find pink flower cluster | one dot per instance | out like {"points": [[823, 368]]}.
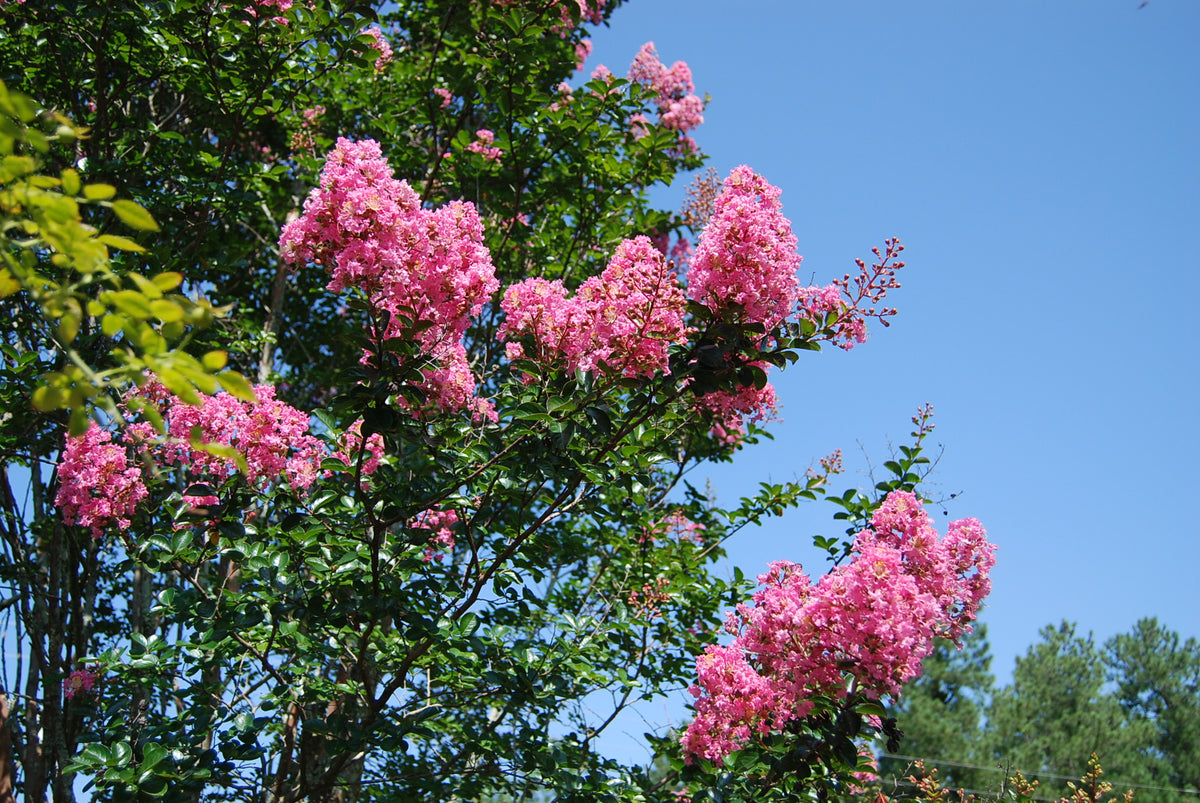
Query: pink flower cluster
{"points": [[622, 321], [445, 95], [428, 270], [97, 486], [302, 140], [589, 11], [272, 437], [730, 409], [679, 108], [441, 523], [744, 268], [854, 300], [80, 681], [583, 49], [674, 525], [261, 7], [380, 45], [483, 146], [350, 446], [868, 624]]}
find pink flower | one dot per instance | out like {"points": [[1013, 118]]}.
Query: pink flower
{"points": [[270, 436], [440, 522], [679, 108], [744, 268], [351, 447], [428, 271], [80, 681], [97, 486], [445, 95], [622, 321], [730, 409], [674, 524], [483, 146], [257, 7], [872, 620], [853, 302], [380, 45], [583, 49]]}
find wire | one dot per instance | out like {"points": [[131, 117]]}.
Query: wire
{"points": [[1038, 774]]}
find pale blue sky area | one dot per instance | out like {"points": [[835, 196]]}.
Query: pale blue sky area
{"points": [[1041, 161]]}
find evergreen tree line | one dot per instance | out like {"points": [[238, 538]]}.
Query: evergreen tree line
{"points": [[1134, 700]]}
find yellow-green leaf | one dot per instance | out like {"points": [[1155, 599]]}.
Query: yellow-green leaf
{"points": [[130, 302], [99, 192], [112, 323], [133, 215], [166, 311], [238, 385], [68, 326], [70, 182], [149, 341], [79, 421], [46, 398], [8, 284], [117, 241], [177, 384], [148, 288], [168, 280], [214, 360], [191, 370]]}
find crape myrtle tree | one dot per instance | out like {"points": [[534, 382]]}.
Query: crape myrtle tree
{"points": [[352, 383]]}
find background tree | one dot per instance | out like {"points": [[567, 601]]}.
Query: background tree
{"points": [[941, 715], [1157, 679]]}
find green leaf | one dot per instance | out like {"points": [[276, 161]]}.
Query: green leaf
{"points": [[214, 360], [237, 385], [168, 280], [133, 215], [152, 754], [70, 181], [130, 302], [99, 192], [122, 753], [117, 241], [165, 310]]}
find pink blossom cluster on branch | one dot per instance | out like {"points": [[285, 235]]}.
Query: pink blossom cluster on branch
{"points": [[731, 409], [427, 271], [258, 8], [679, 108], [745, 264], [302, 140], [380, 45], [591, 11], [441, 523], [271, 436], [864, 627], [97, 486], [623, 320], [80, 681], [675, 525], [854, 300], [483, 146]]}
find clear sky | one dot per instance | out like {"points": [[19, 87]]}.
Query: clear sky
{"points": [[1041, 161]]}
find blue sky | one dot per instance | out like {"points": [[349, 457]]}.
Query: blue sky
{"points": [[1041, 161]]}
